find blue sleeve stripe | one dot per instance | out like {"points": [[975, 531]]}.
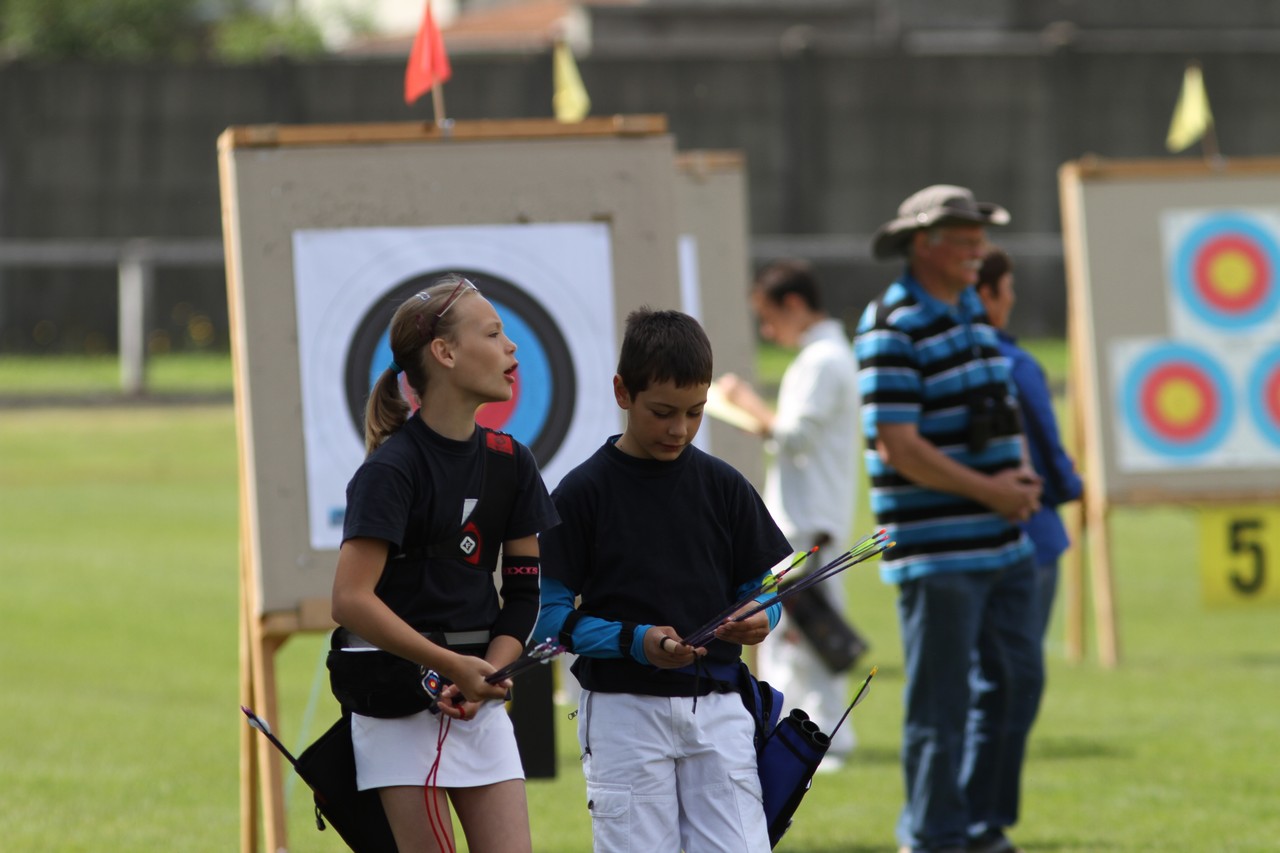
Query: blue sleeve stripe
{"points": [[895, 414], [592, 636], [950, 528], [872, 381], [774, 611], [986, 559]]}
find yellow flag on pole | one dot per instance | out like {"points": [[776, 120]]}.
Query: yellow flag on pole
{"points": [[570, 100], [1191, 117]]}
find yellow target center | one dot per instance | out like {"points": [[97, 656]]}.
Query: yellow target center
{"points": [[1178, 402], [1231, 272]]}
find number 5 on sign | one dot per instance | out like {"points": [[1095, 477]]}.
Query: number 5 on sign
{"points": [[1240, 555]]}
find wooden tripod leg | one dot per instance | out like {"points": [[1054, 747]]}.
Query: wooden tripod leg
{"points": [[249, 742], [269, 762], [1073, 585], [1104, 611]]}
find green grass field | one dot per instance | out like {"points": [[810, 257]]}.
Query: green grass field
{"points": [[167, 376], [119, 708]]}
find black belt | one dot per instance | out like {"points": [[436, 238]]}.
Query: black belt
{"points": [[448, 639]]}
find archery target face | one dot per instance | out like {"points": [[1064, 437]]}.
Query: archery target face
{"points": [[542, 402], [1175, 402], [1223, 268], [1264, 396], [552, 286]]}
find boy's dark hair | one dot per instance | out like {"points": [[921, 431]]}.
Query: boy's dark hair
{"points": [[663, 346], [994, 265], [779, 278]]}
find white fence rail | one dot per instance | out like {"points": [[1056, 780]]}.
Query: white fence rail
{"points": [[135, 261]]}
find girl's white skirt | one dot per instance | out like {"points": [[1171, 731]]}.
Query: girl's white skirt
{"points": [[400, 751]]}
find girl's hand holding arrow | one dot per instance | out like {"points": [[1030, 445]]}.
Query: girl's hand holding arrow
{"points": [[468, 676], [453, 704]]}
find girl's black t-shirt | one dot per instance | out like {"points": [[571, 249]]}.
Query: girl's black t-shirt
{"points": [[417, 489]]}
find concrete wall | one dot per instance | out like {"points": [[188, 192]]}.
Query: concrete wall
{"points": [[834, 140]]}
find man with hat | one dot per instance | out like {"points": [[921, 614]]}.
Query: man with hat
{"points": [[950, 481]]}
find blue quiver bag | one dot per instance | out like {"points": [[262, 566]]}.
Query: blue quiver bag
{"points": [[790, 756], [788, 751]]}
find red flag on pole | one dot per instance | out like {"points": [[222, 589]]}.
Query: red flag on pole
{"points": [[428, 63]]}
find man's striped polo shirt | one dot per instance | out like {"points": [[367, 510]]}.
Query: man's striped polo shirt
{"points": [[923, 361]]}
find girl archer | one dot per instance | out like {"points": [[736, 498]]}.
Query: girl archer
{"points": [[426, 513]]}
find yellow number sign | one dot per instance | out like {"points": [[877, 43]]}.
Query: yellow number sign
{"points": [[1239, 549]]}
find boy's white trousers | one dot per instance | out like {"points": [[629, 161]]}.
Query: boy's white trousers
{"points": [[662, 778]]}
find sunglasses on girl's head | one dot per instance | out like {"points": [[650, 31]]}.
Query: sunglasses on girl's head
{"points": [[462, 287]]}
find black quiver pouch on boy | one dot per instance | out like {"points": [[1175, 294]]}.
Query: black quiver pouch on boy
{"points": [[762, 700], [328, 766]]}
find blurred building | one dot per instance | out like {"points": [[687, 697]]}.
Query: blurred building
{"points": [[843, 107]]}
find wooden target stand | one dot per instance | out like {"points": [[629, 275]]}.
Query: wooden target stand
{"points": [[622, 170], [261, 769], [280, 595], [1116, 287], [1087, 518]]}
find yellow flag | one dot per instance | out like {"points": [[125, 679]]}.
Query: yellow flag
{"points": [[1191, 117], [570, 101]]}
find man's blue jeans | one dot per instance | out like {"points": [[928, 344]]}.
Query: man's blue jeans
{"points": [[974, 677]]}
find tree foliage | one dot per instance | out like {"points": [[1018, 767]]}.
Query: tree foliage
{"points": [[247, 37], [144, 30], [101, 29]]}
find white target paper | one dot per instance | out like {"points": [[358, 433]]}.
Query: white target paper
{"points": [[556, 301]]}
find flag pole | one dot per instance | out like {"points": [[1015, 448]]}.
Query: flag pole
{"points": [[428, 67], [437, 102], [1209, 145]]}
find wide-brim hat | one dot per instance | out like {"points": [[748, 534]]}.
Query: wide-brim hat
{"points": [[940, 204]]}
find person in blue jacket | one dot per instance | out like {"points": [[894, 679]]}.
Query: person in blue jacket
{"points": [[1060, 482]]}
